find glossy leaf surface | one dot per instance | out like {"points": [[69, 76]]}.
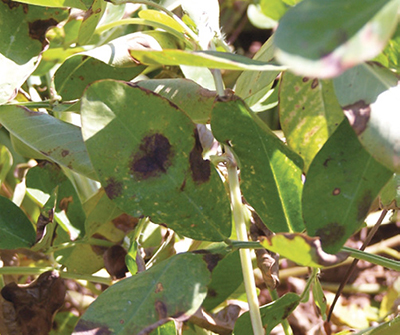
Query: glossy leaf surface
{"points": [[41, 132], [137, 302], [16, 231], [148, 157], [309, 114], [323, 38], [270, 171], [189, 96], [342, 182]]}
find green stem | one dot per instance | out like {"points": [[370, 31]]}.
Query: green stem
{"points": [[31, 104], [375, 259], [285, 323], [245, 257]]}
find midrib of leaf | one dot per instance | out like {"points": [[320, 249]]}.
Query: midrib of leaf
{"points": [[5, 229]]}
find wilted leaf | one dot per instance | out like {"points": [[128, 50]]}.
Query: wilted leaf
{"points": [[270, 171], [309, 114], [140, 301], [149, 160], [59, 141], [30, 309], [322, 38], [16, 231], [342, 182], [272, 314]]}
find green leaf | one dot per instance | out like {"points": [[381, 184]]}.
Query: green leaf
{"points": [[190, 97], [137, 302], [81, 4], [322, 38], [387, 328], [226, 277], [319, 297], [390, 194], [342, 182], [130, 258], [148, 157], [78, 71], [167, 329], [252, 86], [302, 249], [22, 39], [90, 21], [210, 59], [270, 172], [6, 162], [58, 141], [309, 114], [16, 231], [273, 8], [363, 83], [160, 17], [391, 54], [272, 314]]}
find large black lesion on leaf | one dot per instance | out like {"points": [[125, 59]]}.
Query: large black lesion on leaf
{"points": [[199, 167], [153, 157], [113, 188], [38, 29]]}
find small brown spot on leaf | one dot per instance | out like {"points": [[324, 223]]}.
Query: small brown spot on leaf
{"points": [[183, 185], [65, 153], [14, 4], [159, 288], [82, 78], [161, 310], [125, 222], [336, 191], [327, 161], [201, 169], [38, 28], [113, 188], [358, 115], [153, 158], [212, 293], [314, 83], [330, 233], [305, 79], [64, 203]]}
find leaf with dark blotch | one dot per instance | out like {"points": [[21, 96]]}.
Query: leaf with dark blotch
{"points": [[114, 261], [31, 308], [148, 157], [142, 300], [342, 182]]}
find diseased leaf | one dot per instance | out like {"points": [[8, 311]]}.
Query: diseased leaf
{"points": [[302, 249], [16, 231], [272, 314], [270, 171], [140, 301], [6, 162], [56, 140], [148, 157], [90, 20], [309, 114], [322, 38], [81, 4], [22, 39], [342, 182]]}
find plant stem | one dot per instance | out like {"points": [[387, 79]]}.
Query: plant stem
{"points": [[245, 257]]}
